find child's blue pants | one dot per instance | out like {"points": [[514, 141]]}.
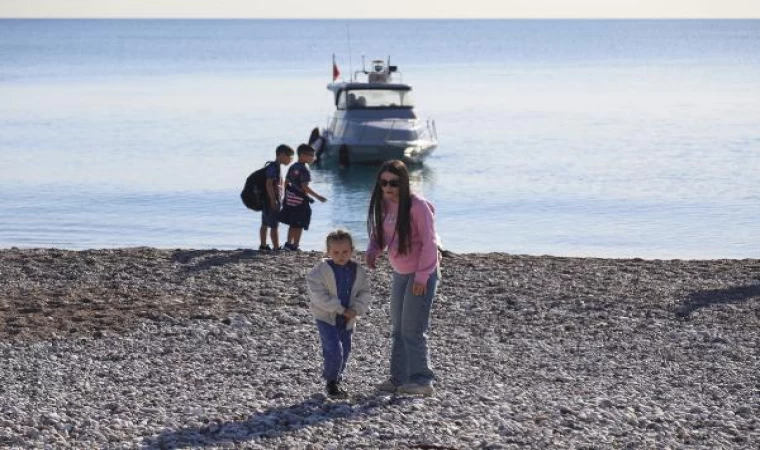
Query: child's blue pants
{"points": [[336, 348]]}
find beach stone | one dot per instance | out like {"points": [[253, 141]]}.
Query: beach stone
{"points": [[574, 354]]}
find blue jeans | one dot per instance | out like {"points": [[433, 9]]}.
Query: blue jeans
{"points": [[336, 348], [410, 321]]}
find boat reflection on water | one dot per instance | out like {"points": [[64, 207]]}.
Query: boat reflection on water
{"points": [[349, 190], [360, 180]]}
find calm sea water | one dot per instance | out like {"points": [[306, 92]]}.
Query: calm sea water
{"points": [[579, 138]]}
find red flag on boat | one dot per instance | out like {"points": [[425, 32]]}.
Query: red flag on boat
{"points": [[336, 71]]}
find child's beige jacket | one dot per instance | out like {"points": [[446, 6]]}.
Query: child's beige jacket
{"points": [[323, 293]]}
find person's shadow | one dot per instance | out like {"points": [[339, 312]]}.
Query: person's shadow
{"points": [[201, 260], [270, 423], [703, 299]]}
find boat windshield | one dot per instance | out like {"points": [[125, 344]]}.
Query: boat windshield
{"points": [[375, 99]]}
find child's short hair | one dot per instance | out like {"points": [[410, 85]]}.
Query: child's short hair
{"points": [[305, 148], [283, 149], [337, 236]]}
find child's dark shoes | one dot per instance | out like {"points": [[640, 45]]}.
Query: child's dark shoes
{"points": [[335, 391]]}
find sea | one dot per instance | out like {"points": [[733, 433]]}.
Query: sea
{"points": [[590, 138]]}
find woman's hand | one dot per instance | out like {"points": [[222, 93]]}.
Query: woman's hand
{"points": [[419, 288]]}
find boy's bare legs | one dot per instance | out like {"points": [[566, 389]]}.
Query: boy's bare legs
{"points": [[275, 235], [263, 235], [296, 236]]}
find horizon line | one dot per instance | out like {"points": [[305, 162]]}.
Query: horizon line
{"points": [[373, 18]]}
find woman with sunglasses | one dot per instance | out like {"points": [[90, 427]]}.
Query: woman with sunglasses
{"points": [[404, 224]]}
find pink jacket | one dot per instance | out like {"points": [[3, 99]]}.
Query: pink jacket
{"points": [[422, 259]]}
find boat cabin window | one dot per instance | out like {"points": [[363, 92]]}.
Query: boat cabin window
{"points": [[375, 98]]}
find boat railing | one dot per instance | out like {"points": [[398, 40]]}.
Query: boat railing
{"points": [[425, 131], [429, 132]]}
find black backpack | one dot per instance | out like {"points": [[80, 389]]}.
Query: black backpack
{"points": [[254, 193]]}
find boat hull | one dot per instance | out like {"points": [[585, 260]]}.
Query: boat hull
{"points": [[374, 122], [377, 153], [368, 139]]}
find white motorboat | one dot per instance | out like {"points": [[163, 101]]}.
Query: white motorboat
{"points": [[374, 121]]}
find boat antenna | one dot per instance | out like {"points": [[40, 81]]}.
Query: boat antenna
{"points": [[350, 64]]}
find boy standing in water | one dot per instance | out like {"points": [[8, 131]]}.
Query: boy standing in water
{"points": [[270, 212], [296, 208], [339, 293]]}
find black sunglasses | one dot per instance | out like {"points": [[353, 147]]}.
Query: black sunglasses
{"points": [[391, 183]]}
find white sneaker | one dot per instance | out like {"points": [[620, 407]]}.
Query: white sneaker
{"points": [[417, 389], [387, 386]]}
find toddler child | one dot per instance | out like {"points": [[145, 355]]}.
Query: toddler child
{"points": [[339, 293]]}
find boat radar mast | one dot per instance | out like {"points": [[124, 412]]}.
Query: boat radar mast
{"points": [[380, 71]]}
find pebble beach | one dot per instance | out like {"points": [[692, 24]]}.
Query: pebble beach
{"points": [[142, 348]]}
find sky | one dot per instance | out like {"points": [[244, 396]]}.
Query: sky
{"points": [[297, 9]]}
